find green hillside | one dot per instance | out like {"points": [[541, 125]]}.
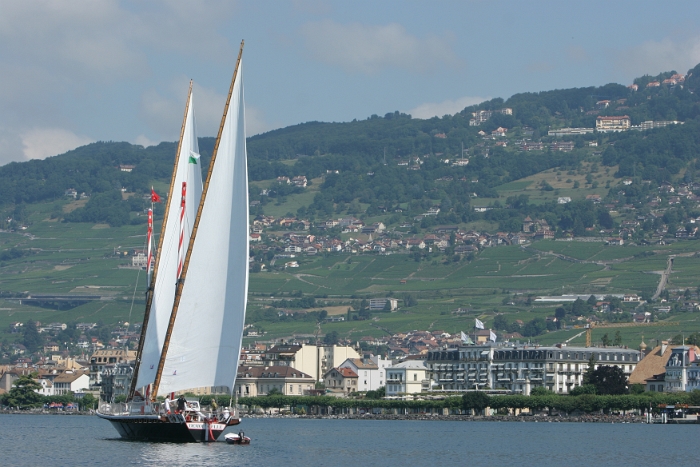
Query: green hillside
{"points": [[70, 223]]}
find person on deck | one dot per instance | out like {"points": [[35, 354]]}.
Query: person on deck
{"points": [[167, 405], [181, 404]]}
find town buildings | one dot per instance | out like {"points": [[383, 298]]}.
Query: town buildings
{"points": [[313, 360], [520, 368], [102, 359], [481, 116], [342, 380], [407, 377], [370, 371], [254, 381], [612, 123]]}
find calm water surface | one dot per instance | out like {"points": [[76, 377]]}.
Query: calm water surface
{"points": [[32, 440]]}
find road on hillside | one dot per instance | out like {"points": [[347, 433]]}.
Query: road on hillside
{"points": [[664, 278]]}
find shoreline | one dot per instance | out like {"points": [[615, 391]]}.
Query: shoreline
{"points": [[540, 418], [589, 418]]}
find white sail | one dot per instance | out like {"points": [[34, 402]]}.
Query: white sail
{"points": [[188, 170], [206, 338]]}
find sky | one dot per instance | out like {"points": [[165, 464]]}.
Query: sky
{"points": [[78, 71]]}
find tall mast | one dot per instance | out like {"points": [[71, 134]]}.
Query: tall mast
{"points": [[149, 292], [193, 236]]}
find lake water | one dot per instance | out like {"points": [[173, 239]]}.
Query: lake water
{"points": [[32, 440]]}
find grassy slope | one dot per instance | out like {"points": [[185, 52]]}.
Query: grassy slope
{"points": [[75, 258]]}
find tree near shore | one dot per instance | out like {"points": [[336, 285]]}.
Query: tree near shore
{"points": [[475, 400], [609, 380], [23, 395]]}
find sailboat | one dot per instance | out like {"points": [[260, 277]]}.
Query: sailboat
{"points": [[196, 301]]}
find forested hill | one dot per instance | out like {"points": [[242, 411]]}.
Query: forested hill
{"points": [[356, 147]]}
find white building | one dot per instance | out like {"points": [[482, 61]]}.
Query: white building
{"points": [[682, 370], [254, 381], [311, 359], [520, 369], [380, 303], [407, 377], [612, 123], [371, 372], [71, 381], [108, 357]]}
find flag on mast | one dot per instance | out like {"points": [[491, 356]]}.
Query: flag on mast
{"points": [[155, 198], [478, 324], [466, 339], [492, 336]]}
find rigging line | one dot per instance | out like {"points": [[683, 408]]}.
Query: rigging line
{"points": [[133, 297]]}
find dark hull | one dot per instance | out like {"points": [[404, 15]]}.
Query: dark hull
{"points": [[156, 430]]}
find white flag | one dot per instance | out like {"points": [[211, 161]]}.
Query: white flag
{"points": [[492, 336], [478, 324], [465, 338]]}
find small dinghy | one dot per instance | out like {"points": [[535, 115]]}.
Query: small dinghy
{"points": [[237, 438]]}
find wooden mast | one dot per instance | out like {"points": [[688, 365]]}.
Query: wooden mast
{"points": [[193, 236], [149, 292]]}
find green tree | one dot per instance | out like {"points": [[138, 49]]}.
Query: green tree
{"points": [[500, 322], [331, 338], [32, 339], [23, 394], [541, 391], [618, 338], [589, 371], [376, 394], [476, 400], [605, 340], [409, 300], [609, 379], [585, 389]]}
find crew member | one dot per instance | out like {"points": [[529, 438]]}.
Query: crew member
{"points": [[181, 403]]}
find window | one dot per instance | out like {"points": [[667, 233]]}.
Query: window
{"points": [[415, 376]]}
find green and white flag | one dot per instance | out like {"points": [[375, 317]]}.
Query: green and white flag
{"points": [[194, 158]]}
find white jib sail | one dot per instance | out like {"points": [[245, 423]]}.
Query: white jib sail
{"points": [[206, 338], [188, 171]]}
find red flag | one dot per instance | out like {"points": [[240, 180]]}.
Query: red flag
{"points": [[154, 196]]}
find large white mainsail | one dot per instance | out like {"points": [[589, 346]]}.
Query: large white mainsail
{"points": [[187, 170], [206, 338]]}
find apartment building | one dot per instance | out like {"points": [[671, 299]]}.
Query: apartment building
{"points": [[518, 368], [613, 123]]}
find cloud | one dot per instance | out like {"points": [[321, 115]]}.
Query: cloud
{"points": [[313, 7], [163, 110], [144, 141], [448, 107], [255, 122], [577, 53], [652, 57], [57, 55], [369, 48], [541, 66], [40, 143]]}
